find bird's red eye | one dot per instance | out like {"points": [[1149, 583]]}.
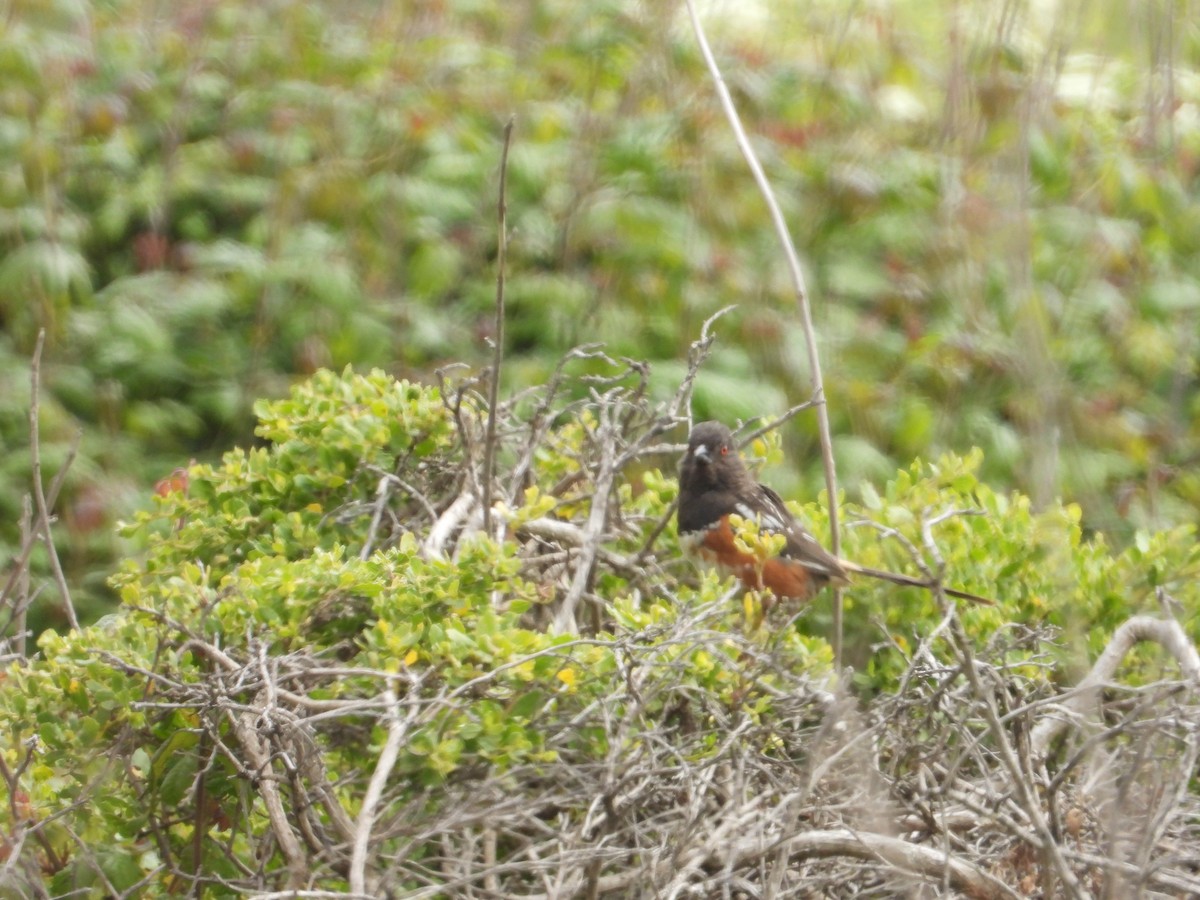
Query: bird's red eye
{"points": [[724, 450]]}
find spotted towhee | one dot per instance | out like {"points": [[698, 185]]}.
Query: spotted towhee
{"points": [[714, 485]]}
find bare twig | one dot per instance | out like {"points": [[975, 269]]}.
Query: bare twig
{"points": [[564, 620], [382, 491], [542, 418], [797, 274], [914, 858], [489, 447], [774, 423], [447, 523], [697, 354], [21, 601], [566, 532], [397, 729], [926, 861], [1166, 632], [932, 579], [39, 494], [258, 757], [1020, 779]]}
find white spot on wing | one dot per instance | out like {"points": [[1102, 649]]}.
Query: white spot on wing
{"points": [[815, 565], [765, 518]]}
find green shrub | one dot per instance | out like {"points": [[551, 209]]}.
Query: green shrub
{"points": [[285, 618]]}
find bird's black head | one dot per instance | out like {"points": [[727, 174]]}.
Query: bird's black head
{"points": [[711, 477], [711, 456], [708, 441]]}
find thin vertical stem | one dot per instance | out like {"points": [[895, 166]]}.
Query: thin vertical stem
{"points": [[810, 337], [489, 449], [39, 491]]}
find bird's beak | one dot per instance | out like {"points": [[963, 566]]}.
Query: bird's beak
{"points": [[701, 454]]}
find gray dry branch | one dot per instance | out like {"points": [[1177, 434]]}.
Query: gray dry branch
{"points": [[16, 595]]}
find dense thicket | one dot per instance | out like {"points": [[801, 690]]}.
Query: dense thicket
{"points": [[326, 677]]}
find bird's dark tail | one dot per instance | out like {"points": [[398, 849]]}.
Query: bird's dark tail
{"points": [[910, 581]]}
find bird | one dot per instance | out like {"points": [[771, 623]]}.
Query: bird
{"points": [[714, 484]]}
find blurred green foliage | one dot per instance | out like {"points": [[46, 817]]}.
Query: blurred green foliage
{"points": [[999, 218]]}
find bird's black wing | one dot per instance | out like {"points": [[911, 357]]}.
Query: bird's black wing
{"points": [[774, 516]]}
